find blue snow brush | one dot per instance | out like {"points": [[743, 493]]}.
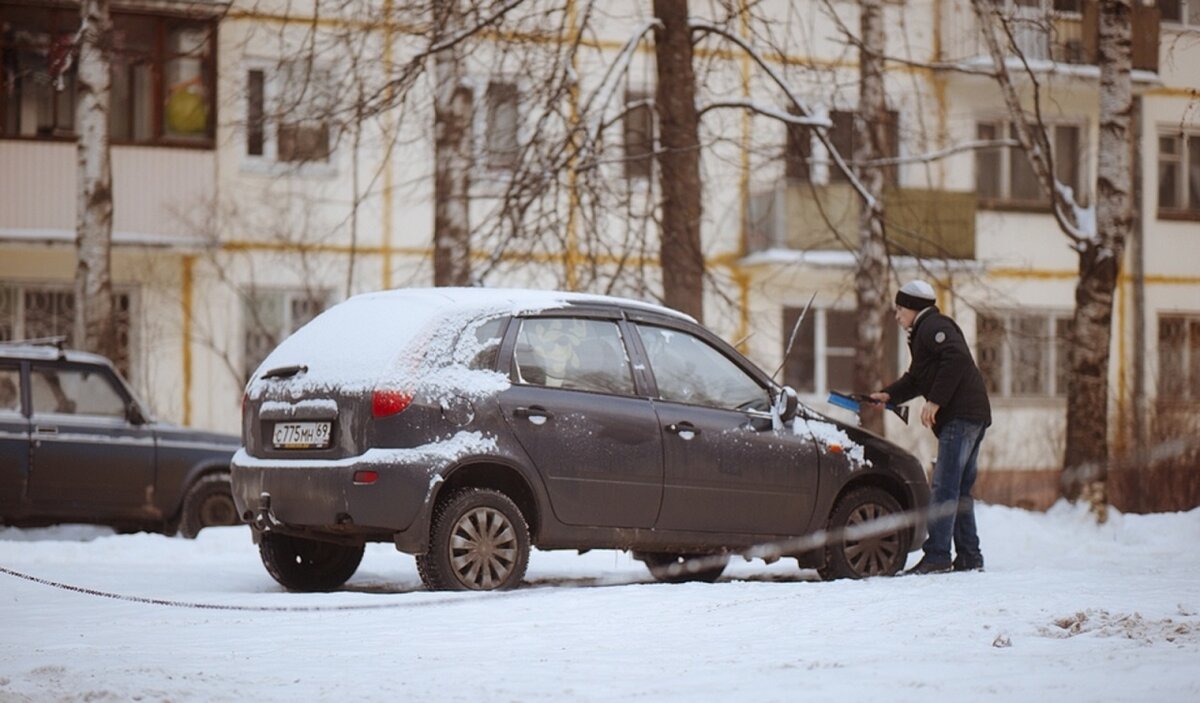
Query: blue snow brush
{"points": [[854, 401]]}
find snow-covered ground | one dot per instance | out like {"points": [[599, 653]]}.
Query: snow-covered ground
{"points": [[1066, 610]]}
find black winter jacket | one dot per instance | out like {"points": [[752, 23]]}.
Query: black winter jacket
{"points": [[943, 371]]}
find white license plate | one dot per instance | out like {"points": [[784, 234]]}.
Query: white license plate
{"points": [[301, 435]]}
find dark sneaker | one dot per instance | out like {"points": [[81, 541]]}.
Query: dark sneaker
{"points": [[965, 562], [929, 567]]}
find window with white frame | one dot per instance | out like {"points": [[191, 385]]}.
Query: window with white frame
{"points": [[34, 311], [639, 134], [1003, 175], [289, 109], [822, 356], [1178, 359], [269, 316], [1185, 12], [1023, 354], [1179, 173]]}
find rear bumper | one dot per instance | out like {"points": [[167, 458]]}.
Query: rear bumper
{"points": [[299, 495]]}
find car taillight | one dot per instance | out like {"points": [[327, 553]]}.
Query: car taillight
{"points": [[385, 403]]}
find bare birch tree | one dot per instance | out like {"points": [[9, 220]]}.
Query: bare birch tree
{"points": [[453, 154], [1097, 236], [870, 273], [95, 328]]}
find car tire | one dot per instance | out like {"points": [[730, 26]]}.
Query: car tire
{"points": [[660, 565], [876, 555], [300, 564], [478, 541], [208, 503]]}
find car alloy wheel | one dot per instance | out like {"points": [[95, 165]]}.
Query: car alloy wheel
{"points": [[483, 548], [479, 541], [872, 554]]}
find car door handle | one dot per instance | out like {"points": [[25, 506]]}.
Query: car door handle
{"points": [[534, 413], [685, 430], [45, 429]]}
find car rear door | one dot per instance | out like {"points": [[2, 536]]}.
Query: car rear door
{"points": [[14, 439], [88, 460], [727, 469], [573, 407]]}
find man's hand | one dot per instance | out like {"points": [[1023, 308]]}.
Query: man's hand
{"points": [[929, 413], [880, 398]]}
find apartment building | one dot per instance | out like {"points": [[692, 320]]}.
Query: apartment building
{"points": [[258, 181]]}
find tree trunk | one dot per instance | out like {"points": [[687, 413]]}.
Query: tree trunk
{"points": [[95, 329], [679, 159], [453, 157], [1085, 472], [870, 277]]}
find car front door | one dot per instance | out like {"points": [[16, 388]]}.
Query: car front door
{"points": [[14, 440], [727, 468], [88, 460], [573, 407]]}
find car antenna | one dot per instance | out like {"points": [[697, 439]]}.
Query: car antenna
{"points": [[792, 340]]}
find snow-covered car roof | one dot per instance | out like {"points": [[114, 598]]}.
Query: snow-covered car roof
{"points": [[369, 336]]}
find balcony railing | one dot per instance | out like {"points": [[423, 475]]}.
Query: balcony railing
{"points": [[1044, 34], [804, 217]]}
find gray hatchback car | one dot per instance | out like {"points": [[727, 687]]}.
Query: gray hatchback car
{"points": [[468, 425]]}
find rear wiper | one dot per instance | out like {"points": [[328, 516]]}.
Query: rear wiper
{"points": [[285, 371]]}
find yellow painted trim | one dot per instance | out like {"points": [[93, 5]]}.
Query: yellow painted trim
{"points": [[186, 280], [538, 38], [1168, 92]]}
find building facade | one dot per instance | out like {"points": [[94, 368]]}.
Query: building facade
{"points": [[270, 160]]}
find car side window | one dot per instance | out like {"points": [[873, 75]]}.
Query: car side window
{"points": [[689, 370], [572, 353], [74, 391], [10, 389]]}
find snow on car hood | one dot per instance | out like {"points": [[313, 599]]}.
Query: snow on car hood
{"points": [[411, 339]]}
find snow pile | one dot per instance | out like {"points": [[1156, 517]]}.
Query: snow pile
{"points": [[1065, 610]]}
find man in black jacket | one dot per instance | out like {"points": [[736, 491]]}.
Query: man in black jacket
{"points": [[957, 410]]}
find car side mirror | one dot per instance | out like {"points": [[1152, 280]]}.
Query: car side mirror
{"points": [[134, 414], [786, 404]]}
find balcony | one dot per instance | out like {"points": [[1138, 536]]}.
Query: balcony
{"points": [[924, 223], [1063, 32], [159, 194]]}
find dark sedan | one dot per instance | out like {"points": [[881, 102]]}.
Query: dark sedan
{"points": [[76, 446]]}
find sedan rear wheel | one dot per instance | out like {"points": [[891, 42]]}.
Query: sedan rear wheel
{"points": [[872, 554], [209, 503], [479, 541], [300, 564]]}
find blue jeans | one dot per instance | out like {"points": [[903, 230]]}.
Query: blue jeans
{"points": [[953, 479]]}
